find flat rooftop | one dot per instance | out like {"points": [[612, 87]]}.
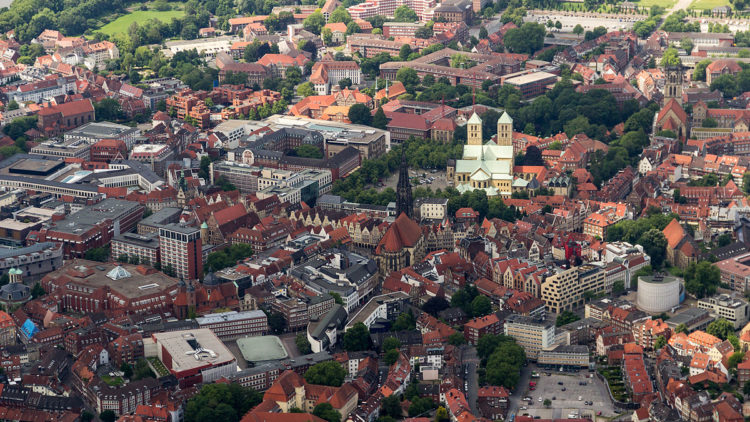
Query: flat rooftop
{"points": [[529, 78], [132, 284], [99, 130], [35, 166], [192, 349], [373, 304], [261, 348]]}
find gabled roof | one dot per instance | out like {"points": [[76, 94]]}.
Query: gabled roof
{"points": [[404, 232]]}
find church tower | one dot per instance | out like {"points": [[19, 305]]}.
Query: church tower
{"points": [[474, 130], [673, 84], [404, 202], [505, 130]]}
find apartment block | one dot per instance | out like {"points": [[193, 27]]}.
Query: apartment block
{"points": [[564, 290]]}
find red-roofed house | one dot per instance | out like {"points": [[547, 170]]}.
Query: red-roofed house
{"points": [[672, 117]]}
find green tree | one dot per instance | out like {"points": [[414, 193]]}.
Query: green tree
{"points": [[547, 403], [659, 342], [699, 74], [326, 411], [327, 36], [529, 38], [12, 105], [578, 29], [359, 114], [456, 339], [357, 338], [329, 373], [435, 304], [405, 321], [37, 291], [305, 90], [127, 370], [687, 44], [441, 415], [735, 359], [420, 406], [108, 416], [483, 34], [746, 388], [481, 306], [345, 83], [504, 365], [681, 328], [308, 151], [97, 254], [735, 341], [702, 279], [379, 120], [408, 77], [276, 322], [655, 245], [226, 401], [314, 22], [391, 356], [391, 343], [391, 406], [566, 317], [404, 14], [337, 298], [720, 328], [670, 58], [303, 344], [340, 15]]}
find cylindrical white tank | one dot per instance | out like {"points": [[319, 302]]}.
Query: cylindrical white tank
{"points": [[658, 293]]}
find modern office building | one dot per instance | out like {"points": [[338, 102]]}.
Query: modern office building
{"points": [[564, 290], [733, 309], [180, 248], [532, 334], [233, 325]]}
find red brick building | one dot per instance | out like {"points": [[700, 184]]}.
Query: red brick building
{"points": [[478, 327], [55, 120], [108, 149]]}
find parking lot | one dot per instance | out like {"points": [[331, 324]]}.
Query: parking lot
{"points": [[566, 404], [589, 21]]}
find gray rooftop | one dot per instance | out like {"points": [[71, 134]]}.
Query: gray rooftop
{"points": [[100, 130], [110, 208]]}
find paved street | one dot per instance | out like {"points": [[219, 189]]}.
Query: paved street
{"points": [[288, 341], [471, 362], [520, 392]]}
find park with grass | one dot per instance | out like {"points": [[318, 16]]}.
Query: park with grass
{"points": [[121, 24], [708, 4]]}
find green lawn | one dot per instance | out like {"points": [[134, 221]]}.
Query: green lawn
{"points": [[708, 4], [663, 3], [113, 381], [122, 23]]}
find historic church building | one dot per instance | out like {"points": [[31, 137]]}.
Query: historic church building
{"points": [[489, 165]]}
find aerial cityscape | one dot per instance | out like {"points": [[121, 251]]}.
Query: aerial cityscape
{"points": [[375, 211]]}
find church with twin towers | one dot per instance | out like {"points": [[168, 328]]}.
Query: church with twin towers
{"points": [[486, 165]]}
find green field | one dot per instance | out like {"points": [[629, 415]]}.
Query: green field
{"points": [[663, 3], [708, 4], [122, 23]]}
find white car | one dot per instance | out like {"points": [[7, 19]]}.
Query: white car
{"points": [[540, 399], [580, 398]]}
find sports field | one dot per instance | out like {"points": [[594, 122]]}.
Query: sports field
{"points": [[122, 23]]}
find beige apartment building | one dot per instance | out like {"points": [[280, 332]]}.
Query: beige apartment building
{"points": [[564, 291]]}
